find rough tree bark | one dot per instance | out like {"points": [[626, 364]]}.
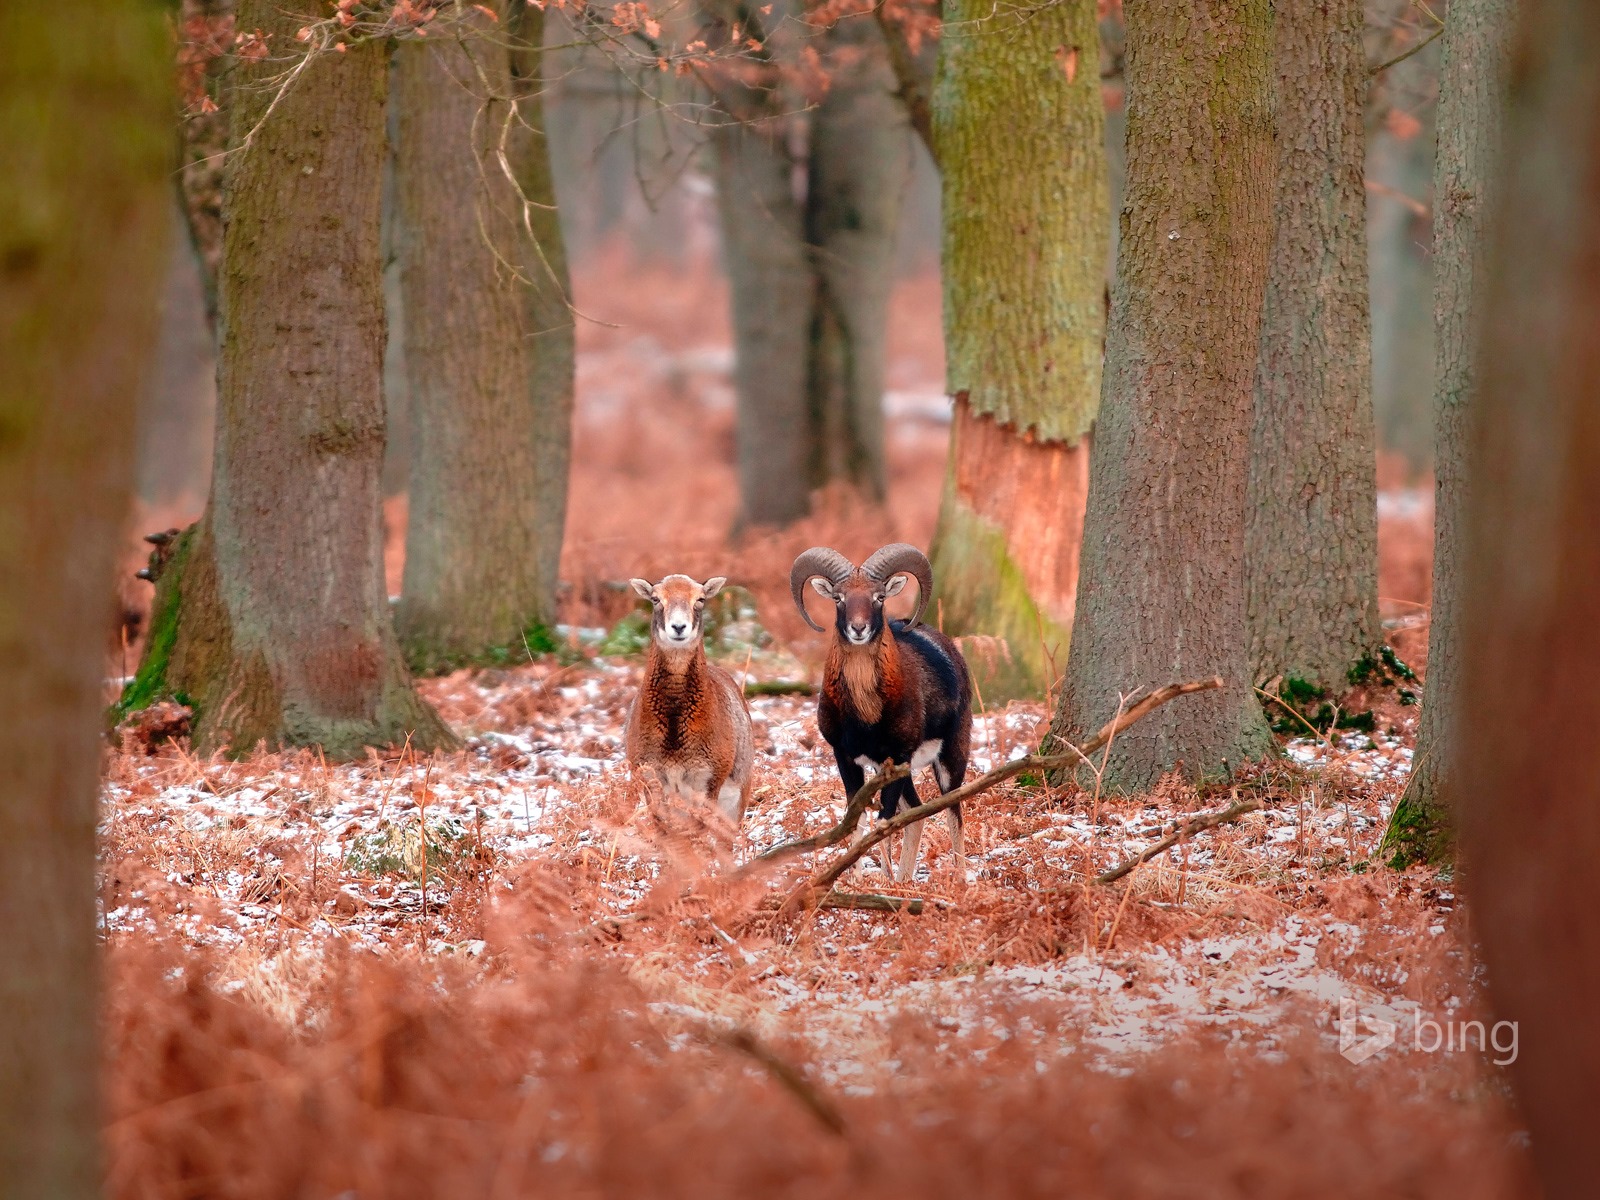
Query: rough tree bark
{"points": [[1019, 125], [811, 275], [479, 573], [85, 206], [1161, 596], [1311, 542], [272, 617], [1521, 758], [1477, 45]]}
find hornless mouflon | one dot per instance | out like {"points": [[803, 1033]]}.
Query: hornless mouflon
{"points": [[690, 725]]}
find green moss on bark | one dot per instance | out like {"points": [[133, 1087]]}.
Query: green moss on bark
{"points": [[981, 589], [149, 683]]}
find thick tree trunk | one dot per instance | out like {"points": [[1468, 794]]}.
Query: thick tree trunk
{"points": [[1162, 591], [1019, 124], [84, 212], [273, 618], [1311, 545], [860, 169], [768, 264], [1521, 764], [1472, 95], [476, 582]]}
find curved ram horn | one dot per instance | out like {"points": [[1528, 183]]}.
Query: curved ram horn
{"points": [[819, 560], [902, 558]]}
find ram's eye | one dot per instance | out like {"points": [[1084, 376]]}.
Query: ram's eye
{"points": [[699, 604]]}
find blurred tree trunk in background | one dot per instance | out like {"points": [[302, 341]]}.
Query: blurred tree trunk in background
{"points": [[1522, 761], [272, 617], [205, 42], [1311, 545], [484, 533], [1402, 123], [770, 285], [547, 308], [85, 205], [1019, 124], [811, 276], [1162, 591], [1477, 46], [860, 168]]}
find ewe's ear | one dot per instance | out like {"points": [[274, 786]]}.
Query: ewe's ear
{"points": [[895, 586], [645, 588], [822, 587], [713, 585]]}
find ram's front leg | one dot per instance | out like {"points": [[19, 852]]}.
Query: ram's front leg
{"points": [[854, 776]]}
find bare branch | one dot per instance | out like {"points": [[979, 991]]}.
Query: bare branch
{"points": [[1017, 766], [1187, 830]]}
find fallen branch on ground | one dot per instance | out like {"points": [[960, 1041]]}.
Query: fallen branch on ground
{"points": [[786, 1074], [1187, 830], [871, 901], [1017, 766]]}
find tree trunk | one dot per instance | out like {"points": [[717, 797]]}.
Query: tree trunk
{"points": [[1162, 591], [1019, 124], [1399, 232], [1477, 47], [860, 167], [771, 288], [811, 278], [1521, 761], [206, 34], [272, 618], [546, 299], [478, 580], [1311, 545], [84, 212]]}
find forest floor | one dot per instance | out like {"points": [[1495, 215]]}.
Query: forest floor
{"points": [[500, 972]]}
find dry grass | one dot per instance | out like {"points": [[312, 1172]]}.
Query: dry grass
{"points": [[584, 998]]}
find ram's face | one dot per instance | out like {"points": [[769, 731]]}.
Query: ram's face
{"points": [[677, 608], [858, 605]]}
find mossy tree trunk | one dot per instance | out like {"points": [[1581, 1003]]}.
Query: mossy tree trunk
{"points": [[480, 571], [85, 201], [1019, 125], [1311, 546], [1520, 761], [811, 274], [273, 618], [1477, 49], [1161, 596]]}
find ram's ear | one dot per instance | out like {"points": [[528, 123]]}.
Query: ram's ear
{"points": [[713, 585], [895, 586], [822, 587], [645, 588]]}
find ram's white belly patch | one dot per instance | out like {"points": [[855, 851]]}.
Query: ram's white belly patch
{"points": [[927, 752]]}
